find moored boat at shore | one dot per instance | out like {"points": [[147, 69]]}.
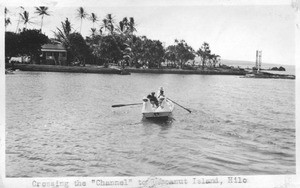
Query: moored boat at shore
{"points": [[9, 71]]}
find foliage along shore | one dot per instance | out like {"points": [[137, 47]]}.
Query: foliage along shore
{"points": [[110, 42]]}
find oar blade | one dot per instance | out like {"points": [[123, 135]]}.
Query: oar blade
{"points": [[121, 105], [118, 105]]}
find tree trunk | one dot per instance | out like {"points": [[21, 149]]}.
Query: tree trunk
{"points": [[42, 23], [80, 25]]}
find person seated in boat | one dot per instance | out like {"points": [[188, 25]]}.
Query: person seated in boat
{"points": [[147, 106], [163, 104], [161, 92], [153, 99], [161, 101]]}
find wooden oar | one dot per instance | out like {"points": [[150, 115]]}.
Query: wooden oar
{"points": [[180, 106], [121, 105]]}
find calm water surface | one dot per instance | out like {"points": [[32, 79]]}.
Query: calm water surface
{"points": [[62, 124]]}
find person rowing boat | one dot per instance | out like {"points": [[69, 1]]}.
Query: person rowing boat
{"points": [[161, 92], [153, 99]]}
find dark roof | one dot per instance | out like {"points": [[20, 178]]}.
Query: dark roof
{"points": [[53, 47]]}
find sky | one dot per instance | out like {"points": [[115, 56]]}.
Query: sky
{"points": [[234, 30]]}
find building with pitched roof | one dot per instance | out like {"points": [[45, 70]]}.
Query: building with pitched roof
{"points": [[53, 54]]}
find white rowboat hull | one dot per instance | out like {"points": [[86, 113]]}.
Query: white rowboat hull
{"points": [[157, 114], [161, 112]]}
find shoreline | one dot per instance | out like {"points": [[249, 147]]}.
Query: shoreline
{"points": [[270, 75], [116, 70], [128, 71], [215, 71], [59, 68]]}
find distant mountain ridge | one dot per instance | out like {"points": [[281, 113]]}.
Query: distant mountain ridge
{"points": [[250, 64]]}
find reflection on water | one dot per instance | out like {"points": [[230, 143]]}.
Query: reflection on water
{"points": [[62, 124], [164, 124]]}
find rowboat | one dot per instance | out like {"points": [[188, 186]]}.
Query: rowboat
{"points": [[8, 71], [163, 111]]}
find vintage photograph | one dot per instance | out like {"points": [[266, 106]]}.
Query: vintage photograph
{"points": [[149, 88]]}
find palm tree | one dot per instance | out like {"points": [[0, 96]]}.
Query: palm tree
{"points": [[7, 20], [42, 11], [94, 19], [127, 27], [131, 29], [100, 31], [21, 9], [5, 11], [123, 25], [25, 18], [110, 23], [82, 14], [131, 25], [93, 31], [63, 34], [104, 24]]}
